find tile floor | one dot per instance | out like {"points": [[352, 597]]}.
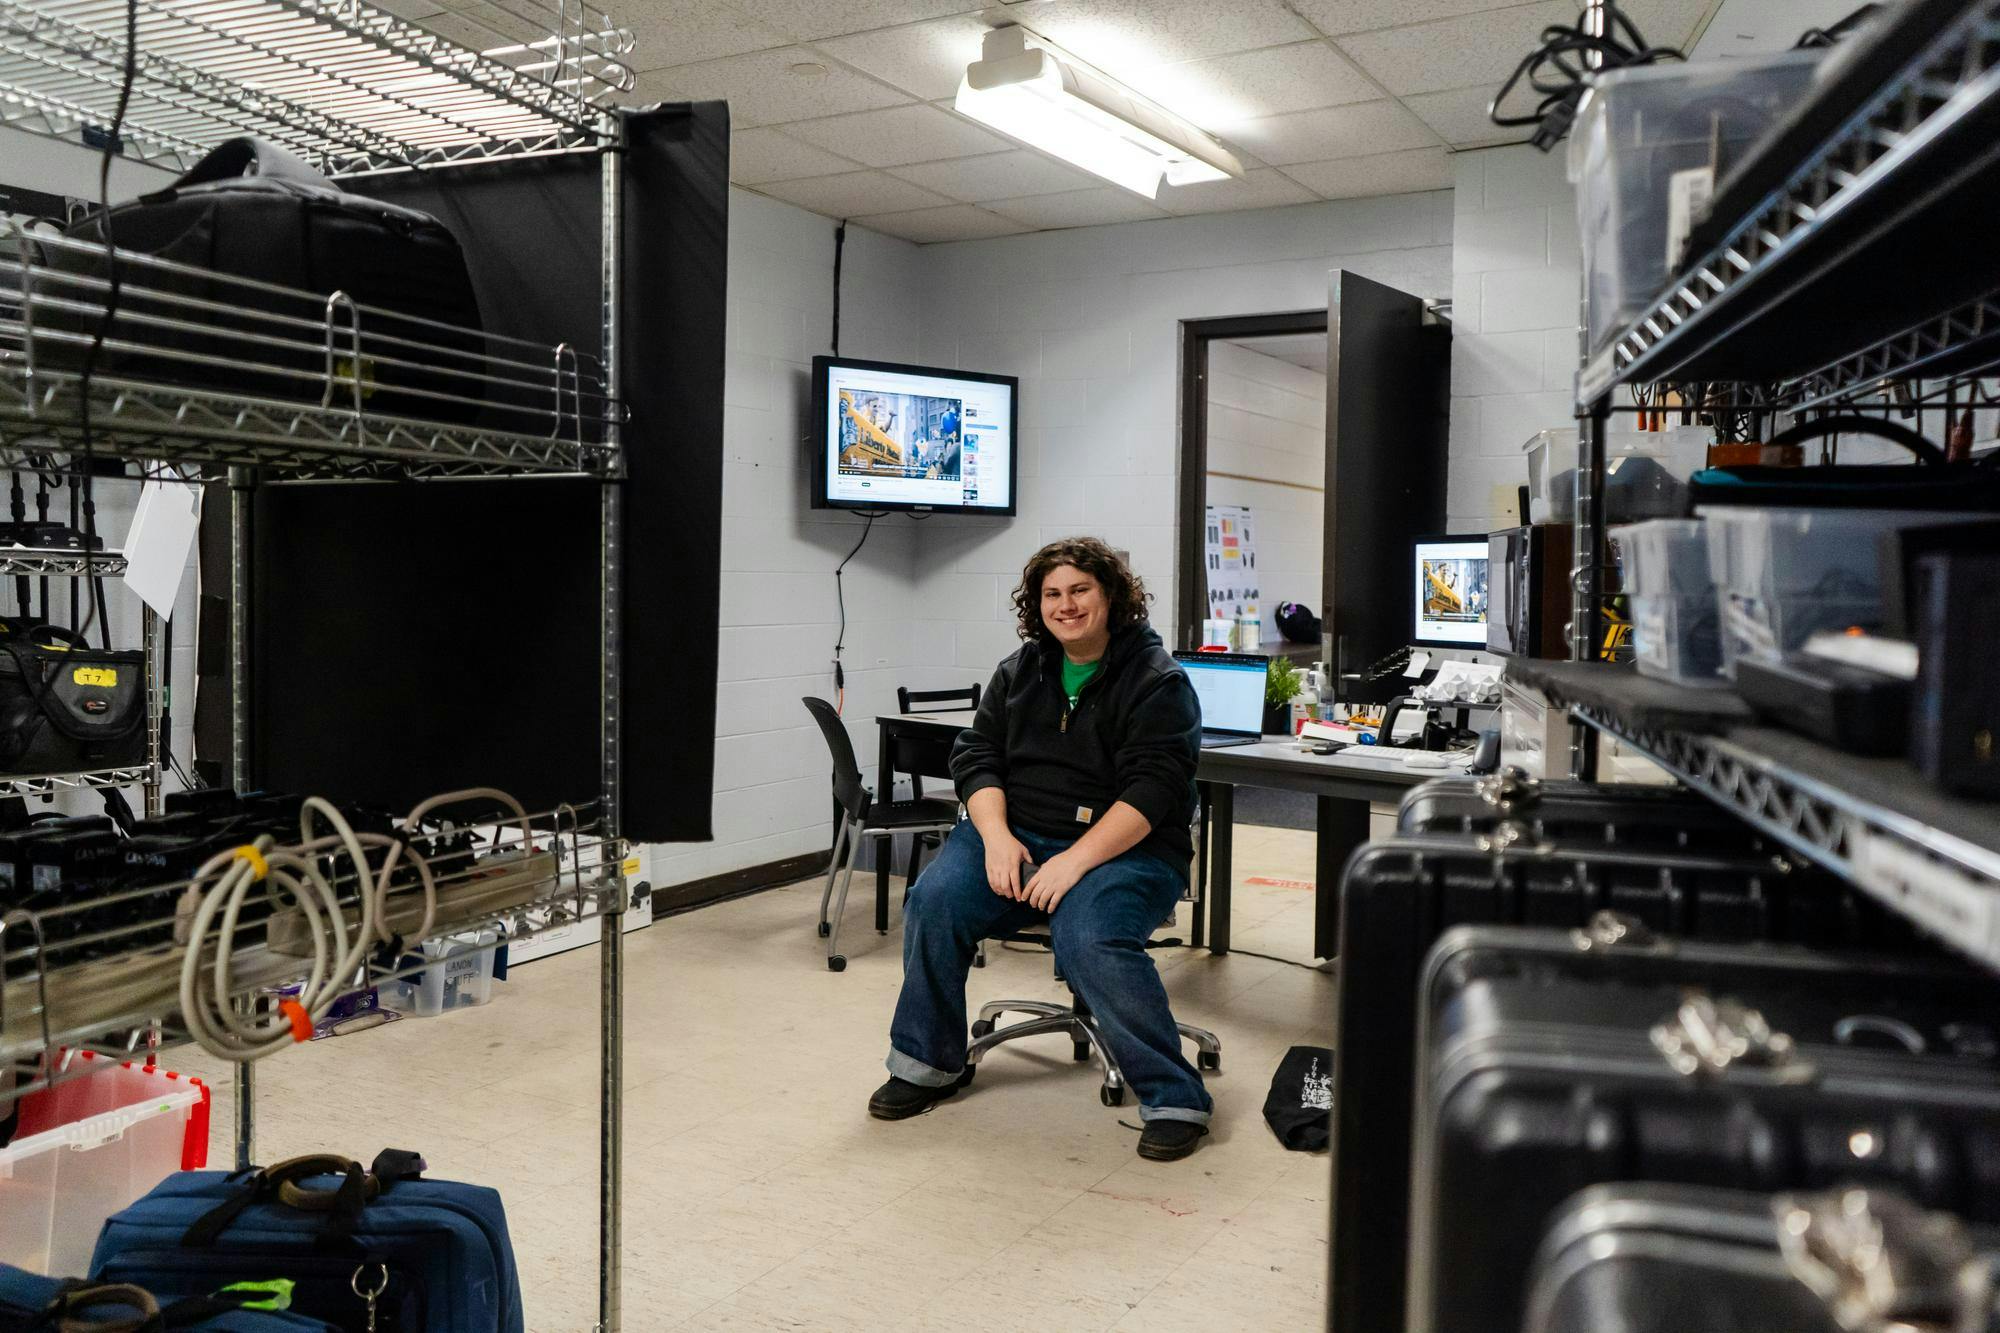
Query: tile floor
{"points": [[758, 1193]]}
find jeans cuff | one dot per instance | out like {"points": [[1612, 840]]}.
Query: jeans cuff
{"points": [[916, 1071], [1187, 1113]]}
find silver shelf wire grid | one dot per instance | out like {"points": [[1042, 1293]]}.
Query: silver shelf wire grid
{"points": [[468, 403], [348, 87], [1947, 82], [102, 971], [1942, 882], [58, 563], [97, 779]]}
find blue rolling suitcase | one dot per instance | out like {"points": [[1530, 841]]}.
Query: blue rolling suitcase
{"points": [[368, 1250], [29, 1301]]}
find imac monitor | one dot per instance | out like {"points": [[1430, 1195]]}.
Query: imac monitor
{"points": [[1451, 591], [897, 437]]}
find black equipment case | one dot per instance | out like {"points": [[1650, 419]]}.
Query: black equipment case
{"points": [[1631, 815], [1399, 895], [251, 210], [1668, 1259], [1551, 1062]]}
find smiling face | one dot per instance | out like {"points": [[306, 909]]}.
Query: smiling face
{"points": [[1077, 612]]}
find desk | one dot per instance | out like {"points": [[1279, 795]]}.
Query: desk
{"points": [[893, 726], [1344, 784]]}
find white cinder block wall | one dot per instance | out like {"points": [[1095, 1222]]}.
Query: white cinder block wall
{"points": [[1090, 320], [1267, 419], [1516, 275], [779, 611]]}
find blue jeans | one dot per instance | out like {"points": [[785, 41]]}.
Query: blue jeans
{"points": [[1099, 929]]}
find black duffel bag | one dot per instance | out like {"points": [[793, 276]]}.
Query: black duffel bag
{"points": [[66, 707], [251, 210]]}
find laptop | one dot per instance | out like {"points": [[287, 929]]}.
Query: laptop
{"points": [[1230, 687]]}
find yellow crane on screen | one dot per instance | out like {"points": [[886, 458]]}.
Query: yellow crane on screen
{"points": [[1443, 599], [871, 445]]}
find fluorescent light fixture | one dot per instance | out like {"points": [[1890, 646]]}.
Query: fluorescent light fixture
{"points": [[1054, 103]]}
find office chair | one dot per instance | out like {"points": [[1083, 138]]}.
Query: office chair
{"points": [[862, 816], [917, 755], [1076, 1019]]}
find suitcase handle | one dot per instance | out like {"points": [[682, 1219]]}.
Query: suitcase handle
{"points": [[282, 1182], [67, 1313]]}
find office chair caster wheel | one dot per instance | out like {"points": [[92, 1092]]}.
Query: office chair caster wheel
{"points": [[1112, 1094], [982, 1028], [825, 930], [1079, 1051], [1209, 1060], [837, 963]]}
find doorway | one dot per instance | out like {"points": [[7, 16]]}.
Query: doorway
{"points": [[1253, 446]]}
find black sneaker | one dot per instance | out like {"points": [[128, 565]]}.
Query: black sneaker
{"points": [[899, 1099], [1169, 1140]]}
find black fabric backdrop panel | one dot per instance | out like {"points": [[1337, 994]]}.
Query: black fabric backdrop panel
{"points": [[417, 637]]}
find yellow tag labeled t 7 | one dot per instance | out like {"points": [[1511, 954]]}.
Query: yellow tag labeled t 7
{"points": [[95, 675]]}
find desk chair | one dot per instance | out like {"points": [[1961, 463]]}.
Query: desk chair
{"points": [[862, 816], [1079, 1022], [920, 755], [1076, 1019]]}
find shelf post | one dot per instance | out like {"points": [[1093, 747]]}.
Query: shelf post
{"points": [[241, 480], [1586, 576], [157, 673], [611, 948]]}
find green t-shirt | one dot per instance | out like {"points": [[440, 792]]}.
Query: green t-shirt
{"points": [[1076, 675]]}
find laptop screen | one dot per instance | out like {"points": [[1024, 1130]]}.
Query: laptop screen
{"points": [[1231, 689]]}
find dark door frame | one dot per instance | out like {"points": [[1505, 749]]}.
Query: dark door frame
{"points": [[1191, 510]]}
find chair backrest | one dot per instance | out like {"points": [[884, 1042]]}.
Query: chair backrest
{"points": [[847, 788], [936, 701]]}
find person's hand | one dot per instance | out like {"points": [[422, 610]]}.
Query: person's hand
{"points": [[1004, 858], [1056, 877]]}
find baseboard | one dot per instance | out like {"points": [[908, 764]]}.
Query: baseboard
{"points": [[678, 898]]}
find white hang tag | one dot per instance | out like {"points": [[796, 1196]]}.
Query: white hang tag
{"points": [[156, 549], [1418, 662]]}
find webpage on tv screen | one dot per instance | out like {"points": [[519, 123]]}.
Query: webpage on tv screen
{"points": [[916, 439]]}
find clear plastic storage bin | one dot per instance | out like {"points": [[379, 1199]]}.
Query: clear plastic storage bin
{"points": [[88, 1147], [1645, 474], [461, 976], [1783, 575], [1637, 129], [1676, 632]]}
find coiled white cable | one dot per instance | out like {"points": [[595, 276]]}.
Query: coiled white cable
{"points": [[336, 958]]}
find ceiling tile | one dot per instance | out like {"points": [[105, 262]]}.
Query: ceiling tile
{"points": [[1121, 36], [996, 176], [1077, 208], [1263, 188], [1341, 131], [959, 222], [759, 156], [927, 59], [1335, 17], [1479, 50], [682, 32], [1674, 22], [1385, 173], [410, 9], [1460, 118], [898, 135], [853, 194], [1226, 90], [761, 89], [812, 19]]}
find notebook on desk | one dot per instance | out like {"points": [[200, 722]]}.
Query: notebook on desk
{"points": [[1230, 688]]}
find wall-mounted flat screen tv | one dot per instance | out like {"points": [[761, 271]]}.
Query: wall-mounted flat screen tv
{"points": [[895, 437]]}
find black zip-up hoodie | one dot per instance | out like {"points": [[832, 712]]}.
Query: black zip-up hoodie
{"points": [[1134, 736]]}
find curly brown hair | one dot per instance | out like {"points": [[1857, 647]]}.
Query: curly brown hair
{"points": [[1122, 586]]}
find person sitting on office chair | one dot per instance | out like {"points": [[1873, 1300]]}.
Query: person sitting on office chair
{"points": [[1078, 774]]}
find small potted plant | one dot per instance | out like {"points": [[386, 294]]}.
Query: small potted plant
{"points": [[1282, 682]]}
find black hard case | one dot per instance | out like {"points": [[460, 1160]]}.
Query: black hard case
{"points": [[1540, 1077], [1612, 815], [1399, 895], [1667, 1259]]}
